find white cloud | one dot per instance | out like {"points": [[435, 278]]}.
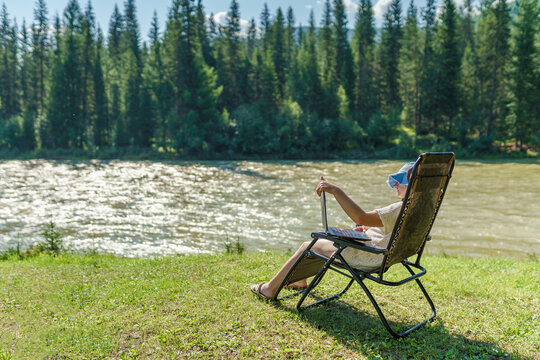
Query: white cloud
{"points": [[309, 7], [221, 19], [350, 7], [380, 9]]}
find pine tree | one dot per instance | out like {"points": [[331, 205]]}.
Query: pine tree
{"points": [[88, 29], [494, 57], [309, 89], [389, 55], [343, 64], [8, 66], [202, 33], [101, 125], [55, 129], [40, 46], [28, 139], [429, 74], [265, 27], [198, 124], [232, 76], [469, 84], [132, 70], [72, 67], [329, 76], [25, 68], [278, 48], [155, 81], [363, 49], [449, 64], [290, 41], [114, 70], [410, 65], [524, 74]]}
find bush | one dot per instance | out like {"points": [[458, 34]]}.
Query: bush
{"points": [[383, 128], [234, 248], [481, 145], [252, 133], [406, 147], [53, 240], [10, 133]]}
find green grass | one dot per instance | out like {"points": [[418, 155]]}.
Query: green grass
{"points": [[190, 307]]}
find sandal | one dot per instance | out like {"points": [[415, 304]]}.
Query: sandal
{"points": [[256, 289]]}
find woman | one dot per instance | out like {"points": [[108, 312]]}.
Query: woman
{"points": [[377, 224]]}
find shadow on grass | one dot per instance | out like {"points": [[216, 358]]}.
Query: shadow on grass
{"points": [[364, 333]]}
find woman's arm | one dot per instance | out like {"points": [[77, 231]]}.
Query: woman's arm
{"points": [[355, 212]]}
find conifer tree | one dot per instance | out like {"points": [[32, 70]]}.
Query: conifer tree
{"points": [[101, 126], [428, 79], [363, 49], [198, 124], [290, 33], [8, 65], [114, 71], [132, 79], [40, 46], [72, 83], [265, 27], [469, 83], [525, 74], [156, 83], [389, 55], [88, 30], [25, 68], [309, 89], [449, 64], [232, 75], [28, 138], [203, 36], [326, 53], [410, 65], [278, 48], [494, 57], [343, 64], [56, 129]]}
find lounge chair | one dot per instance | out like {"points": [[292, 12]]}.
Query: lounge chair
{"points": [[427, 186]]}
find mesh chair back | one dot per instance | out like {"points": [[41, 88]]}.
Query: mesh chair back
{"points": [[425, 192]]}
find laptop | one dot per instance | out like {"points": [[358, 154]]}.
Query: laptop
{"points": [[345, 233]]}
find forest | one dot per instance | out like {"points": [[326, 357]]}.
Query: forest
{"points": [[441, 77]]}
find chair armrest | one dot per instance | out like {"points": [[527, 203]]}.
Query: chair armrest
{"points": [[346, 242]]}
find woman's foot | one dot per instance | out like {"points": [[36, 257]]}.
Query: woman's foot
{"points": [[262, 291]]}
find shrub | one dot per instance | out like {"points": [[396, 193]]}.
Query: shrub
{"points": [[234, 248], [53, 240]]}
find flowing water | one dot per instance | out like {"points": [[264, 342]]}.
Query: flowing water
{"points": [[153, 208]]}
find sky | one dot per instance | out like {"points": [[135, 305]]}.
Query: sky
{"points": [[248, 9]]}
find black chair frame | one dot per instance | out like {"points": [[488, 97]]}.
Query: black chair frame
{"points": [[338, 264]]}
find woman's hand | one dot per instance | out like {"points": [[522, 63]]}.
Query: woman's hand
{"points": [[362, 228], [326, 186]]}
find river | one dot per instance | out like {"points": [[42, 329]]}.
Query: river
{"points": [[144, 208]]}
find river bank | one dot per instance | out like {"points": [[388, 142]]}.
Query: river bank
{"points": [[200, 306], [392, 153]]}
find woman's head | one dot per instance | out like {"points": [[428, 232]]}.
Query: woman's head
{"points": [[400, 180]]}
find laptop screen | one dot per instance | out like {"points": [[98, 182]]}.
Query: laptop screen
{"points": [[323, 212]]}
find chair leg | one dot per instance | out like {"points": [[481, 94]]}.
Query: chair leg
{"points": [[315, 281], [383, 318], [333, 297]]}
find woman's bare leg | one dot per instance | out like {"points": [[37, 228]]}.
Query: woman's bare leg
{"points": [[322, 247]]}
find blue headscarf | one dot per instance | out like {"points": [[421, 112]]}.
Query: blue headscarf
{"points": [[401, 176]]}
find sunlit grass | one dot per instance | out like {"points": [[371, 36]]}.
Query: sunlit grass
{"points": [[189, 307]]}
